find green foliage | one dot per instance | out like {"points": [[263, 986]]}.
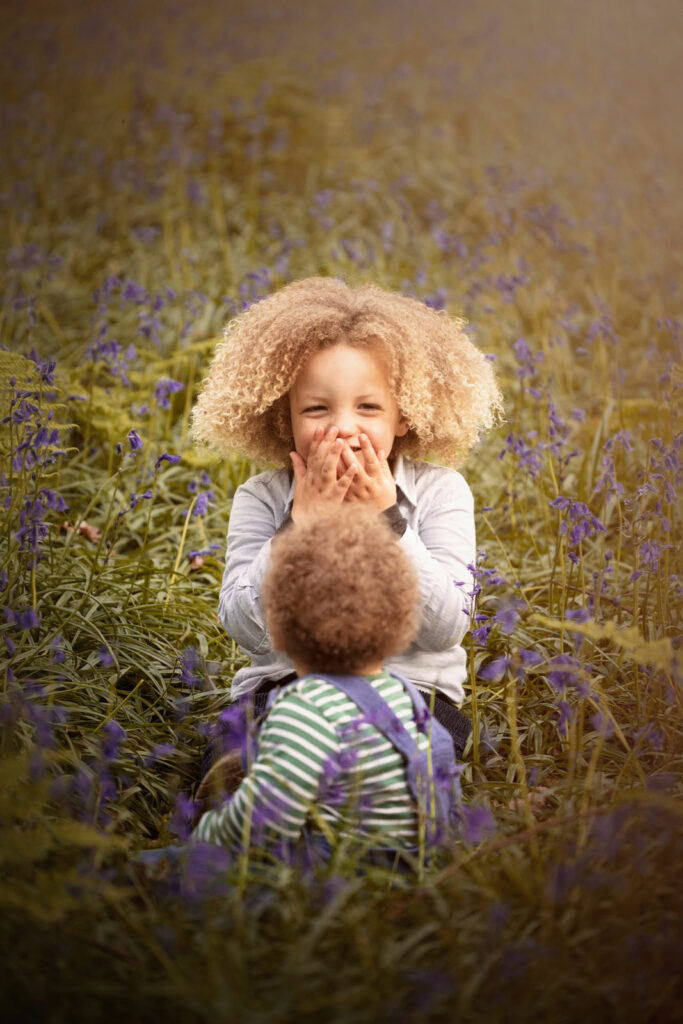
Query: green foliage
{"points": [[162, 173]]}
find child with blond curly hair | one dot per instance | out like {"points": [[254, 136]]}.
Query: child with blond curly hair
{"points": [[353, 755], [347, 390]]}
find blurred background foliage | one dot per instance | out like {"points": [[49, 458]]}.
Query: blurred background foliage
{"points": [[163, 167]]}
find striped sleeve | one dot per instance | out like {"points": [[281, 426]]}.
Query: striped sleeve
{"points": [[274, 800]]}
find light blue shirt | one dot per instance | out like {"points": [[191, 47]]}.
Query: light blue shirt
{"points": [[440, 541]]}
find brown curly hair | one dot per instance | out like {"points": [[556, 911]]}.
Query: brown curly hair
{"points": [[444, 386], [341, 591]]}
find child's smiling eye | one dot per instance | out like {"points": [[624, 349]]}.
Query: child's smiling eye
{"points": [[314, 408], [370, 405]]}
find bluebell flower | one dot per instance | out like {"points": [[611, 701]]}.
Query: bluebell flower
{"points": [[580, 614], [134, 293], [563, 672], [172, 460], [57, 649], [582, 522], [494, 670], [603, 724], [113, 736], [165, 387], [134, 441], [182, 819], [191, 666], [27, 619], [564, 717], [201, 505], [135, 498], [204, 869], [105, 656], [507, 614], [481, 634], [159, 752], [477, 823]]}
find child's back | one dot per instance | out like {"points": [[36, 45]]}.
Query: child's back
{"points": [[340, 597]]}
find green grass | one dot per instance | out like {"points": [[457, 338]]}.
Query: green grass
{"points": [[519, 167]]}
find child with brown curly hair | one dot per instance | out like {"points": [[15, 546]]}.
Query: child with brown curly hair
{"points": [[352, 755], [347, 390]]}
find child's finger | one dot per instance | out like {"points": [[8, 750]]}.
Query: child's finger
{"points": [[372, 464], [349, 456], [329, 464], [346, 479], [318, 435], [324, 446], [298, 465]]}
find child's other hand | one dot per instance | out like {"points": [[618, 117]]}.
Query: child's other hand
{"points": [[317, 481], [374, 483]]}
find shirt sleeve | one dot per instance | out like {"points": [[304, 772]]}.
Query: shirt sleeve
{"points": [[442, 548], [275, 798], [250, 532]]}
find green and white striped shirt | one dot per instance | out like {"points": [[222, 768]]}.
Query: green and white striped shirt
{"points": [[321, 763]]}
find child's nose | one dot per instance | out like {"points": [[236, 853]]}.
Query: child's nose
{"points": [[347, 427]]}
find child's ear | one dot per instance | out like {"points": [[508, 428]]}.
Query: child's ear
{"points": [[402, 428]]}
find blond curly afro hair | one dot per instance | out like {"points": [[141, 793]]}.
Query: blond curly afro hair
{"points": [[341, 591], [444, 386]]}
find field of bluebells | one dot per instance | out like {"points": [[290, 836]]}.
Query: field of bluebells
{"points": [[164, 166]]}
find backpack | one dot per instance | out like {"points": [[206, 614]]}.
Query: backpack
{"points": [[433, 777]]}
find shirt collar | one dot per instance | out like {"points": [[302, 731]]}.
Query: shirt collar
{"points": [[404, 475]]}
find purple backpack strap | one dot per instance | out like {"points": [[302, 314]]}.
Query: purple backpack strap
{"points": [[433, 785]]}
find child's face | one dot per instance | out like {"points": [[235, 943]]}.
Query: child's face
{"points": [[347, 388]]}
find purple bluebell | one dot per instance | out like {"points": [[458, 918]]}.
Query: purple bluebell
{"points": [[191, 667], [507, 614], [477, 823], [563, 671], [578, 522], [204, 870], [146, 233], [105, 656], [27, 619], [165, 387], [603, 724], [494, 670], [201, 505], [564, 717], [172, 460], [182, 820], [135, 498], [529, 659], [58, 654], [159, 752], [113, 736]]}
